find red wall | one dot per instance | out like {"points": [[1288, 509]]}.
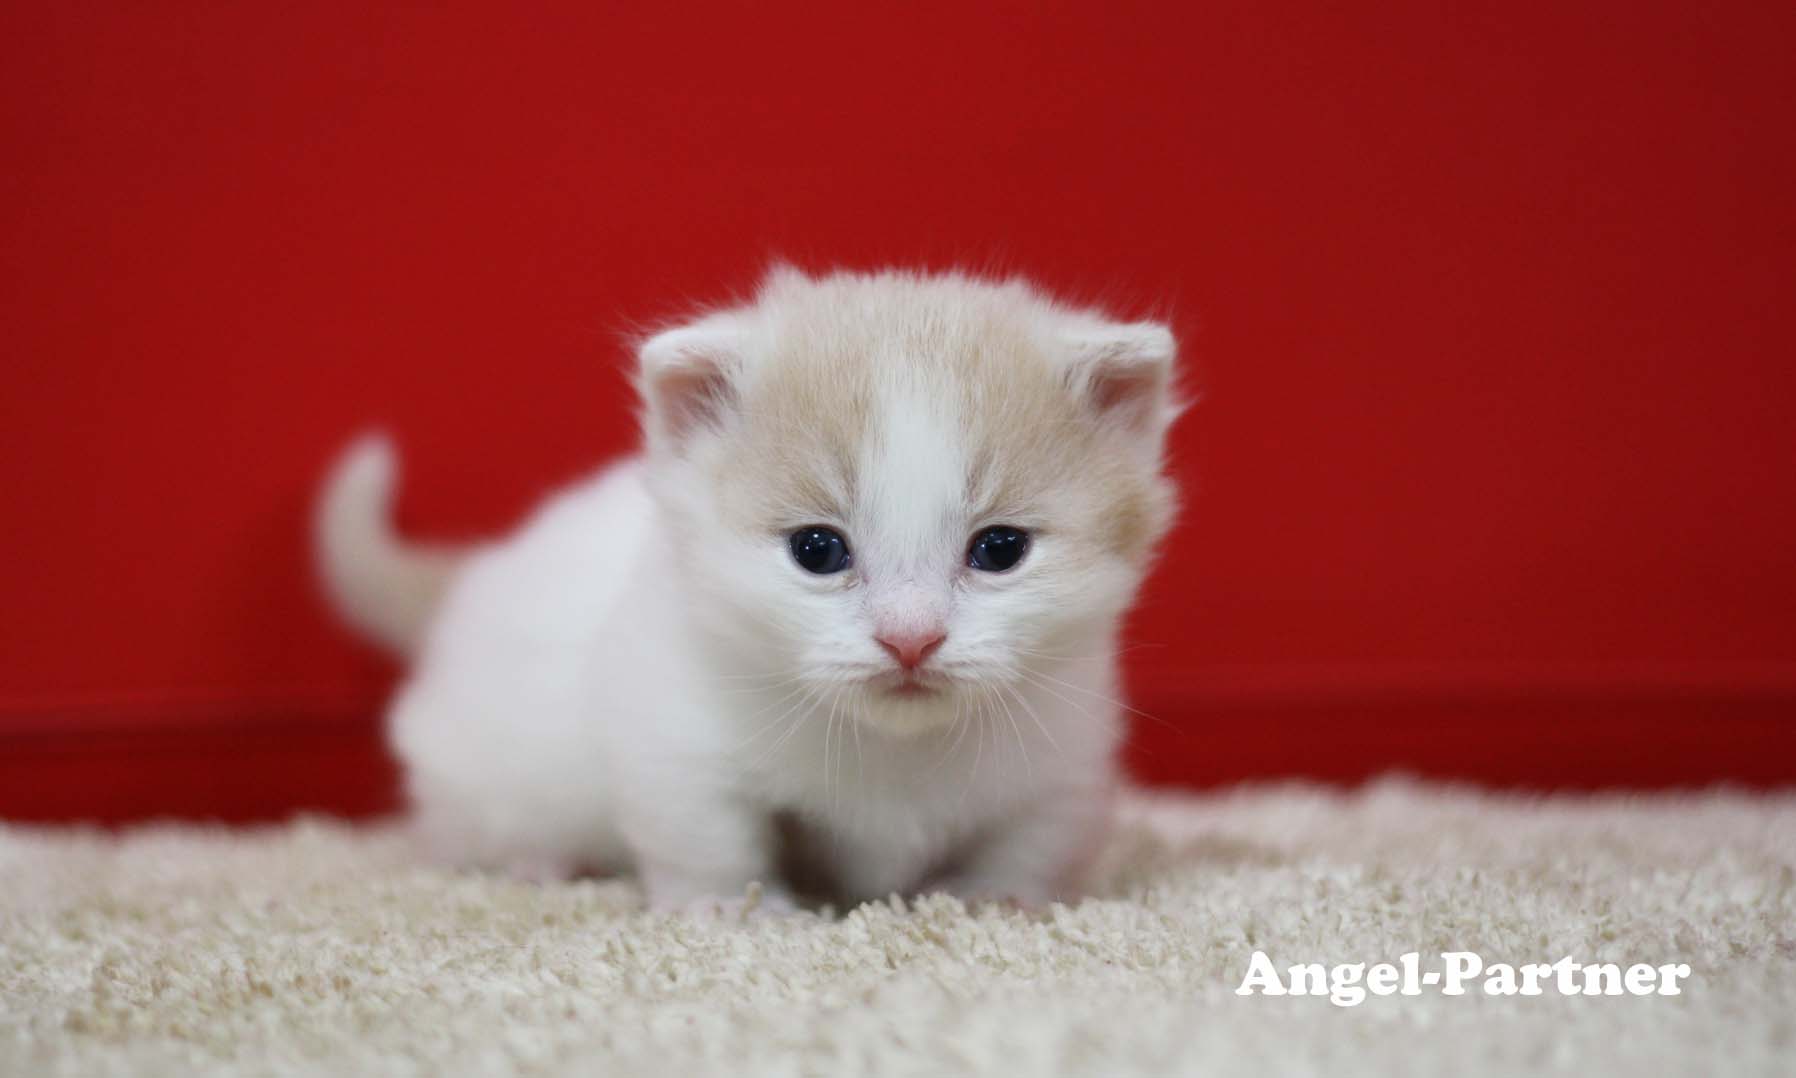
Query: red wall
{"points": [[1491, 310]]}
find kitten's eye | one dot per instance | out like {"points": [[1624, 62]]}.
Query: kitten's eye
{"points": [[820, 550], [997, 549]]}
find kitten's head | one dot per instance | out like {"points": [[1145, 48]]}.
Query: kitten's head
{"points": [[904, 489]]}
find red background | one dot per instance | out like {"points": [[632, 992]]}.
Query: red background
{"points": [[1491, 309]]}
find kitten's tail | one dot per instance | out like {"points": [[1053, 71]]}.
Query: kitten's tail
{"points": [[382, 585]]}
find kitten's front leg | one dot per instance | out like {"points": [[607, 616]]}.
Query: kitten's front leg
{"points": [[1037, 854], [702, 854]]}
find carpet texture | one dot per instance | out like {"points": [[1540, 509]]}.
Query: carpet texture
{"points": [[323, 949]]}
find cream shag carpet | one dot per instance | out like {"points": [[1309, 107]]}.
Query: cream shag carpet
{"points": [[323, 949]]}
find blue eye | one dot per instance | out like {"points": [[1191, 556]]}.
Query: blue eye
{"points": [[997, 549], [820, 550]]}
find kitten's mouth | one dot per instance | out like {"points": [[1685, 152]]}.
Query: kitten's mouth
{"points": [[908, 687]]}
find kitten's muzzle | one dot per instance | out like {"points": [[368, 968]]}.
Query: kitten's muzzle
{"points": [[911, 646]]}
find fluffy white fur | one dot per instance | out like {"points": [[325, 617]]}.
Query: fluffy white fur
{"points": [[642, 677]]}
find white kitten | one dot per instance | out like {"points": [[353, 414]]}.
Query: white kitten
{"points": [[865, 576]]}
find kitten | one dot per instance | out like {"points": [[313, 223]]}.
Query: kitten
{"points": [[866, 574]]}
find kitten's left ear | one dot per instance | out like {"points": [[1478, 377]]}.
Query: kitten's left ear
{"points": [[687, 378], [1125, 372]]}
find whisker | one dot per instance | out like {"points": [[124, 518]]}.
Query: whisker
{"points": [[959, 730], [796, 716], [841, 746], [744, 690], [763, 676], [1099, 696], [854, 723], [1044, 687], [1039, 725], [829, 729], [1098, 657], [746, 742], [978, 752], [1016, 730]]}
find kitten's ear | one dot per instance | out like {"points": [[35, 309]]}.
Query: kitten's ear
{"points": [[687, 378], [1125, 372]]}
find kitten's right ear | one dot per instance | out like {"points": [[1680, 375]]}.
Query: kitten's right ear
{"points": [[687, 378]]}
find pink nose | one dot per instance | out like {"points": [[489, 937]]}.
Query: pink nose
{"points": [[911, 647]]}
